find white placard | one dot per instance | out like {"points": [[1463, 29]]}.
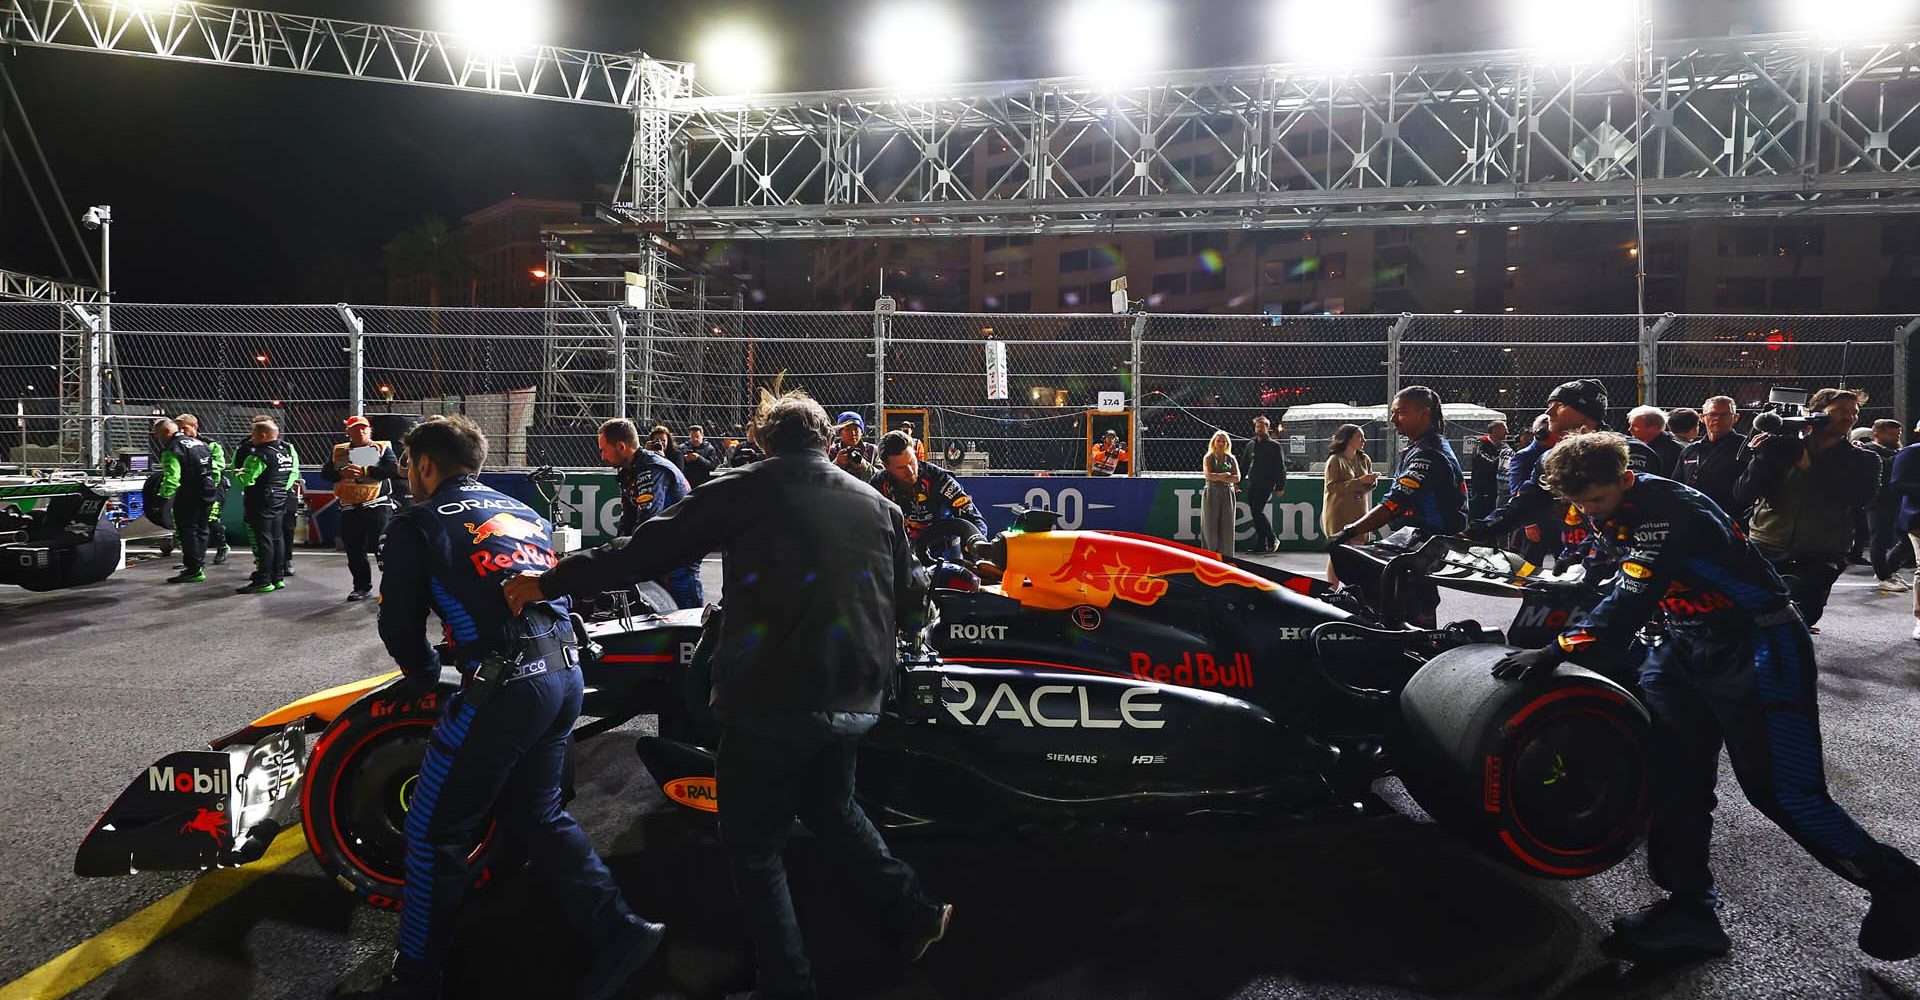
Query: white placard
{"points": [[1297, 444], [365, 456], [996, 369], [1113, 401]]}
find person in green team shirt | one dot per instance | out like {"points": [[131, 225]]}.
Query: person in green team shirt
{"points": [[187, 483], [294, 492], [264, 476], [216, 532]]}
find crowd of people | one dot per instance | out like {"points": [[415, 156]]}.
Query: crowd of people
{"points": [[192, 480]]}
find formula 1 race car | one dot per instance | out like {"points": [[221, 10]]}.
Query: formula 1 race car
{"points": [[1104, 677], [59, 532]]}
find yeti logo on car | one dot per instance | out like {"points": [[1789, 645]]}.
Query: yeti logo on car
{"points": [[957, 631], [1045, 707]]}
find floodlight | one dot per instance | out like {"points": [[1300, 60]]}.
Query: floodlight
{"points": [[1846, 19], [1113, 41], [916, 44], [1581, 32], [735, 58], [495, 26], [1340, 34]]}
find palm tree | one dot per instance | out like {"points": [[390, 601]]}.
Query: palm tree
{"points": [[428, 250]]}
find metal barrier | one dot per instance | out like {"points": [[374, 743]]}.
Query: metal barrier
{"points": [[80, 383]]}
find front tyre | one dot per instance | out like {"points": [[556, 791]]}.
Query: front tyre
{"points": [[1550, 775], [359, 787]]}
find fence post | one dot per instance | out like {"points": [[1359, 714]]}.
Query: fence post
{"points": [[1650, 359], [356, 358], [883, 332], [646, 365], [1394, 335], [1138, 336], [1902, 366], [619, 324]]}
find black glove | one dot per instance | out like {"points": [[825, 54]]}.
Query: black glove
{"points": [[1480, 534], [414, 684], [1339, 538], [1526, 663]]}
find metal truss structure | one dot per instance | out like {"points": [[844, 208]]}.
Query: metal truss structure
{"points": [[15, 286], [1757, 126]]}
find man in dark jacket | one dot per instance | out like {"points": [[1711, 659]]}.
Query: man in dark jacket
{"points": [[649, 484], [1714, 464], [1648, 425], [1803, 488], [1263, 469], [1904, 485], [813, 557], [264, 476], [1886, 543], [700, 459], [188, 479], [1489, 465]]}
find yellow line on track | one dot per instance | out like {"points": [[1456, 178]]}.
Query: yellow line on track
{"points": [[94, 957]]}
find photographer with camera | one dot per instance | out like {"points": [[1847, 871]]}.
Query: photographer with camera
{"points": [[1804, 481]]}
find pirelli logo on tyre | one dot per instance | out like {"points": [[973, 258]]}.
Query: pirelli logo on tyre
{"points": [[694, 793]]}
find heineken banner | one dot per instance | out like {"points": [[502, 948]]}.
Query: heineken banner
{"points": [[1167, 508]]}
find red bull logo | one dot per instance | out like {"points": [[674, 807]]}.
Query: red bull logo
{"points": [[505, 526], [212, 822], [1064, 569]]}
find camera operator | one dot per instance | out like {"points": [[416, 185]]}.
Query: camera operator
{"points": [[1803, 481], [819, 561]]}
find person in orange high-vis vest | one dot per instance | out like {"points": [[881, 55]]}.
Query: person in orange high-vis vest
{"points": [[363, 472]]}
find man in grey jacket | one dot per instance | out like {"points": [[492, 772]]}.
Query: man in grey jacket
{"points": [[819, 562]]}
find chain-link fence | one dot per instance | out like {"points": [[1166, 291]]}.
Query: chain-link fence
{"points": [[990, 393]]}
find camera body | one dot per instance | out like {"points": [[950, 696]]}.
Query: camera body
{"points": [[1786, 413]]}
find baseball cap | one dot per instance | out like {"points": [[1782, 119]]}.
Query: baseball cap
{"points": [[358, 421], [850, 417]]}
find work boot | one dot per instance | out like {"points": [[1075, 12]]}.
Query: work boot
{"points": [[358, 594], [1670, 931], [619, 961], [259, 587], [197, 576], [1891, 931], [220, 556], [916, 945]]}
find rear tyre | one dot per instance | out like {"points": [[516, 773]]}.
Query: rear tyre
{"points": [[1550, 776], [360, 783]]}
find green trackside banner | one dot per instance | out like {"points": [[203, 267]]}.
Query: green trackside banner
{"points": [[1164, 507]]}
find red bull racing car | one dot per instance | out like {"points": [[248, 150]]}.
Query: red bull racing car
{"points": [[1104, 676]]}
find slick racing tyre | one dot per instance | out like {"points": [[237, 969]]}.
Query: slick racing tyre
{"points": [[1549, 775], [360, 784]]}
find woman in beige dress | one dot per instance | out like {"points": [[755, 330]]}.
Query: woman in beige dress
{"points": [[1350, 480], [1217, 507]]}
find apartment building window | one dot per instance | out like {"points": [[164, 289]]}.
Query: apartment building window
{"points": [[1074, 260], [1743, 241], [1740, 294], [1020, 302], [1390, 236], [1798, 241], [1082, 297], [1170, 284], [1208, 281], [1169, 247], [1209, 241], [1794, 295], [1897, 239]]}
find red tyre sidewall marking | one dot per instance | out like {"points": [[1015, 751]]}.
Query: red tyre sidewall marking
{"points": [[1512, 726]]}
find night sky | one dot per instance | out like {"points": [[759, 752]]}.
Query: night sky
{"points": [[234, 185]]}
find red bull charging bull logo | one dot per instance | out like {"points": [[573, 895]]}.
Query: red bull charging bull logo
{"points": [[522, 555], [1064, 569]]}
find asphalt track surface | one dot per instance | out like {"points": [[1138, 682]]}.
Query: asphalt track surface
{"points": [[96, 683]]}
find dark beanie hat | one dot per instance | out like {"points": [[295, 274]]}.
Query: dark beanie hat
{"points": [[1586, 395]]}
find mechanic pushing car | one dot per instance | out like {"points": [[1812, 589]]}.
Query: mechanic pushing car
{"points": [[499, 748], [1737, 668], [649, 484], [923, 491], [187, 478], [1427, 492], [817, 561], [264, 477]]}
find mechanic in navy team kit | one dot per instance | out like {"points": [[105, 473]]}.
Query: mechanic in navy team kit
{"points": [[499, 749], [188, 479], [817, 566], [1738, 668], [263, 478], [1427, 493], [923, 491], [649, 484]]}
